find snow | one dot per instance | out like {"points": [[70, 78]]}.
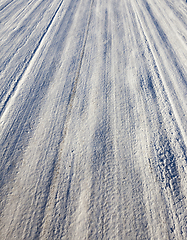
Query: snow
{"points": [[93, 124]]}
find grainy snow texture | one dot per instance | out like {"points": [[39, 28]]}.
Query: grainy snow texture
{"points": [[93, 119]]}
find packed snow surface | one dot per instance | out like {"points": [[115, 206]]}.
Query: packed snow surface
{"points": [[93, 119]]}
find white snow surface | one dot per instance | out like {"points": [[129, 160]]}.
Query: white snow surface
{"points": [[93, 119]]}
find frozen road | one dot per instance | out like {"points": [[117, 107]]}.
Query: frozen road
{"points": [[93, 119]]}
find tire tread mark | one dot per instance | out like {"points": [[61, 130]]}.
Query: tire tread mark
{"points": [[29, 61], [180, 71], [65, 128], [3, 6], [169, 173]]}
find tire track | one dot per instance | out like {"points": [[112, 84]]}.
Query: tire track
{"points": [[31, 109], [159, 72], [165, 163], [166, 166], [106, 158], [40, 83], [168, 46], [29, 62], [102, 159], [64, 133], [3, 6], [140, 225], [121, 223], [179, 14], [169, 88]]}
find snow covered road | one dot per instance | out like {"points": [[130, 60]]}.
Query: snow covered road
{"points": [[93, 119]]}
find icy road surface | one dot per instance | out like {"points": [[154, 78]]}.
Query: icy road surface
{"points": [[93, 119]]}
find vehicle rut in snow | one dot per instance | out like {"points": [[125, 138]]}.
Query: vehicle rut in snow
{"points": [[93, 119]]}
